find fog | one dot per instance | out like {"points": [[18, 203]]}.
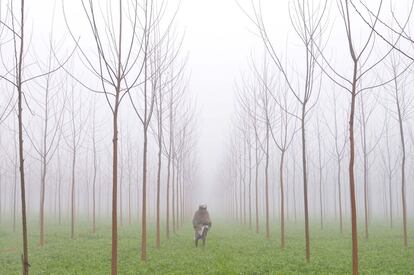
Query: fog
{"points": [[219, 44], [215, 92]]}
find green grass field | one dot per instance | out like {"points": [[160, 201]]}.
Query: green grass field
{"points": [[230, 249]]}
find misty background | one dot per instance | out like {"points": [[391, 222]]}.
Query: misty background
{"points": [[219, 46]]}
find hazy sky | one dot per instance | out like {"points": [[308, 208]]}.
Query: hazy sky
{"points": [[219, 44], [220, 41]]}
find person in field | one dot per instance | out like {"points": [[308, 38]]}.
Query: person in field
{"points": [[201, 224]]}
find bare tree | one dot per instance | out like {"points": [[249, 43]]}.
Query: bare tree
{"points": [[163, 81], [15, 175], [339, 153], [283, 141], [265, 106], [14, 76], [391, 165], [183, 149], [51, 115], [175, 90], [130, 174], [144, 102], [402, 110], [306, 19], [73, 139], [159, 99], [320, 165], [95, 166], [117, 74], [17, 28], [59, 182], [365, 114], [363, 62], [169, 153], [248, 102]]}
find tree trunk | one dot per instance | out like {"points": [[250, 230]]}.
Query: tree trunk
{"points": [[403, 198], [257, 189], [244, 183], [59, 196], [390, 195], [44, 169], [14, 199], [72, 221], [144, 198], [183, 196], [95, 166], [173, 194], [294, 189], [351, 175], [114, 250], [320, 179], [177, 196], [250, 187], [282, 202], [365, 168], [158, 236], [241, 191], [144, 153], [365, 197], [305, 185], [25, 257], [168, 195], [129, 193], [267, 181], [42, 201], [339, 196], [120, 190]]}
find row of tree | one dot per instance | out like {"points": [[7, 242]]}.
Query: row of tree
{"points": [[119, 83], [348, 109]]}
